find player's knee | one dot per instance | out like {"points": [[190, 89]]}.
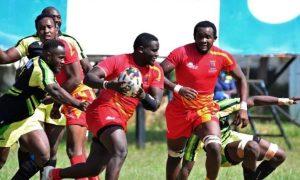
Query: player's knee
{"points": [[212, 145], [121, 153], [279, 157], [175, 154], [252, 149]]}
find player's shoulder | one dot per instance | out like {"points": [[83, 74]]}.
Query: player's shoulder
{"points": [[218, 51], [28, 39]]}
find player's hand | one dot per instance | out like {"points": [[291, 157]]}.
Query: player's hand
{"points": [[83, 105], [140, 94], [118, 86], [295, 99], [241, 118], [55, 112], [188, 93]]}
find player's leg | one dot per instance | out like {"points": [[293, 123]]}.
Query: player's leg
{"points": [[242, 148], [95, 164], [55, 134], [210, 134], [114, 140], [272, 157], [192, 149], [175, 153], [4, 151], [35, 142], [75, 143]]}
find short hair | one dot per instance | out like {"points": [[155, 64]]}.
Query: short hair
{"points": [[49, 8], [40, 17], [206, 24], [52, 44], [143, 40]]}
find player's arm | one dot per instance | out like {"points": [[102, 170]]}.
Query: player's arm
{"points": [[270, 100], [73, 76], [186, 92], [151, 101], [95, 78], [63, 97], [86, 65], [9, 56], [242, 86]]}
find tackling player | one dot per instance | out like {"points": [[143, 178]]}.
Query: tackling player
{"points": [[239, 147]]}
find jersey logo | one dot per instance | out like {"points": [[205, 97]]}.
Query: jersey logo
{"points": [[191, 65], [110, 118], [212, 66]]}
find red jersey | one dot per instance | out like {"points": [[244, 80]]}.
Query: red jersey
{"points": [[200, 71], [112, 66], [71, 57]]}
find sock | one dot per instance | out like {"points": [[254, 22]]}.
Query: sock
{"points": [[248, 174], [49, 163], [76, 160], [26, 170], [55, 173], [264, 169]]}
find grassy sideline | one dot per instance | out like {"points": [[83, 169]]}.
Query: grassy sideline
{"points": [[149, 163]]}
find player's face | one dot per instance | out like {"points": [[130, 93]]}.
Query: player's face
{"points": [[150, 53], [204, 38], [57, 57], [57, 17], [46, 29]]}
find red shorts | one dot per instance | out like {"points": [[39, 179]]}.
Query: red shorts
{"points": [[181, 122], [73, 115], [99, 117]]}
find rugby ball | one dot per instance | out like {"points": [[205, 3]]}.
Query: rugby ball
{"points": [[132, 79]]}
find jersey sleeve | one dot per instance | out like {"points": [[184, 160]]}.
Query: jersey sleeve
{"points": [[42, 75], [175, 56], [108, 65], [158, 80], [22, 48], [229, 62]]}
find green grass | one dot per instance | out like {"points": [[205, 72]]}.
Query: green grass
{"points": [[149, 163]]}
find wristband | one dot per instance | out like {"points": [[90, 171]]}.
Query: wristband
{"points": [[177, 88], [104, 84], [285, 101], [243, 105]]}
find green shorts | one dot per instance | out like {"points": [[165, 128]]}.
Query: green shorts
{"points": [[10, 134], [42, 113]]}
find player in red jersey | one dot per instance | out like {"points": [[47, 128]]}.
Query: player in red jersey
{"points": [[192, 109], [107, 116]]}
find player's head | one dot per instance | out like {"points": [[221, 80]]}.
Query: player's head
{"points": [[54, 54], [50, 10], [45, 27], [205, 33], [146, 48]]}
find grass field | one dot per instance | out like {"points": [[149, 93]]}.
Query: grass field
{"points": [[149, 163]]}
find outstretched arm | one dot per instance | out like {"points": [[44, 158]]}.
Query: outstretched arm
{"points": [[270, 100], [63, 97], [9, 56]]}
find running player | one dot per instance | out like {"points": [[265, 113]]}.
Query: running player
{"points": [[107, 116], [192, 110], [33, 82], [239, 147]]}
